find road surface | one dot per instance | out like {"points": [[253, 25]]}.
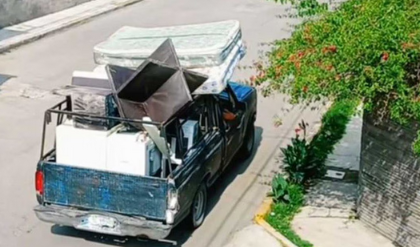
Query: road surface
{"points": [[47, 64]]}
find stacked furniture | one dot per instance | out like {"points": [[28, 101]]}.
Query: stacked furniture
{"points": [[144, 73]]}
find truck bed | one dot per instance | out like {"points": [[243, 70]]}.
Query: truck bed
{"points": [[105, 191]]}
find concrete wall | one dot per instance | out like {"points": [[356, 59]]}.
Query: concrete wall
{"points": [[16, 11], [390, 181]]}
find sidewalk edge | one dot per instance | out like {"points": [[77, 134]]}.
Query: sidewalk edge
{"points": [[25, 38], [259, 219]]}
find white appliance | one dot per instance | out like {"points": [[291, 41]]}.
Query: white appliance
{"points": [[95, 79], [127, 153], [132, 153], [190, 129], [83, 148]]}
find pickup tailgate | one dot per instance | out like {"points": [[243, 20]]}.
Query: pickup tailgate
{"points": [[105, 191]]}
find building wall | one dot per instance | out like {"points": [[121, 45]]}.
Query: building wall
{"points": [[389, 198], [17, 11]]}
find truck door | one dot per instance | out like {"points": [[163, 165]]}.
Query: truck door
{"points": [[204, 147], [233, 121]]}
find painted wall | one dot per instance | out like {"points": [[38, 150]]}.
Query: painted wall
{"points": [[390, 181], [16, 11]]}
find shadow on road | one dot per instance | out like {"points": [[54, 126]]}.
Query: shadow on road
{"points": [[180, 234]]}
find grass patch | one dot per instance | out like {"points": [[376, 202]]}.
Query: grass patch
{"points": [[282, 215]]}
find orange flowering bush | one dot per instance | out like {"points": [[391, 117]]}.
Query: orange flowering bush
{"points": [[367, 50]]}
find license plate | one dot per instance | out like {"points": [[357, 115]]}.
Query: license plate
{"points": [[99, 223], [103, 221]]}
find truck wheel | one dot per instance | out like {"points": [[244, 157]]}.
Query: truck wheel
{"points": [[248, 145], [199, 207]]}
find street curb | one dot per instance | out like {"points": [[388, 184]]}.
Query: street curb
{"points": [[265, 207], [55, 26], [259, 219]]}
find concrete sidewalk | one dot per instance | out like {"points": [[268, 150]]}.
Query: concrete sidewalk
{"points": [[13, 36], [346, 154], [253, 236], [332, 227], [328, 219]]}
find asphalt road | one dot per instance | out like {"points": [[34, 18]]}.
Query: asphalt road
{"points": [[46, 64]]}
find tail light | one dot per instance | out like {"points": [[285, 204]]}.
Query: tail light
{"points": [[39, 182], [173, 199], [172, 195], [173, 205]]}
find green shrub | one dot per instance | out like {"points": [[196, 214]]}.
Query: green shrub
{"points": [[296, 195], [279, 189], [299, 160], [305, 161], [306, 7], [333, 128], [284, 192], [367, 50]]}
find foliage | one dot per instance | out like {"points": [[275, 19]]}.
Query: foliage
{"points": [[306, 161], [333, 128], [279, 189], [300, 162], [306, 7], [416, 144], [367, 50], [282, 215], [284, 192]]}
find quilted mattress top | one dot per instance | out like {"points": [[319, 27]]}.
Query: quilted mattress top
{"points": [[195, 39]]}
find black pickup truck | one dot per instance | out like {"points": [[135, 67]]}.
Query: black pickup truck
{"points": [[151, 206]]}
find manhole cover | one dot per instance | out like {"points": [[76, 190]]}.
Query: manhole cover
{"points": [[4, 78]]}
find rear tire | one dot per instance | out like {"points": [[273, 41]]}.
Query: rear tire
{"points": [[199, 207], [249, 142]]}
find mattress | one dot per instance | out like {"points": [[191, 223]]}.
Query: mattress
{"points": [[198, 45], [220, 75]]}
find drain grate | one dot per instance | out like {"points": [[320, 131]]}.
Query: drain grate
{"points": [[4, 78], [341, 174], [335, 174]]}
